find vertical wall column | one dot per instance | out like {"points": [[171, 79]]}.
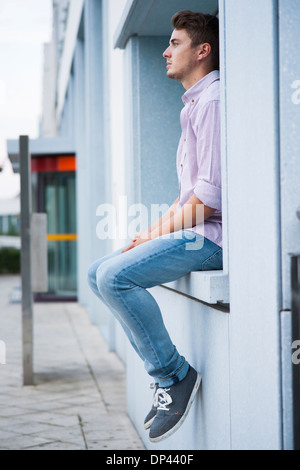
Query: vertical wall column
{"points": [[223, 54], [289, 39], [98, 173], [253, 222], [83, 231], [66, 127]]}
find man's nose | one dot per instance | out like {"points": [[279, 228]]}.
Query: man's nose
{"points": [[166, 53]]}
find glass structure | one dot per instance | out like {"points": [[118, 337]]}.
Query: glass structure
{"points": [[54, 193]]}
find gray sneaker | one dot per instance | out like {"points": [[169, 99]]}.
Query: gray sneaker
{"points": [[173, 405], [152, 413]]}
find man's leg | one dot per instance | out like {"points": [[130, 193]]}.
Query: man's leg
{"points": [[123, 280], [92, 281]]}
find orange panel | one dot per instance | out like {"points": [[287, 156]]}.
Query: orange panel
{"points": [[61, 237], [67, 163]]}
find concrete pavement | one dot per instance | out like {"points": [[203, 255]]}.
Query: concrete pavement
{"points": [[78, 401]]}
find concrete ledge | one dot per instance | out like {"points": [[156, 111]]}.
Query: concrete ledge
{"points": [[211, 287]]}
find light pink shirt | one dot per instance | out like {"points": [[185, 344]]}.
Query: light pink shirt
{"points": [[198, 157]]}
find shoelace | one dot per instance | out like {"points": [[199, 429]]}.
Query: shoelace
{"points": [[162, 399]]}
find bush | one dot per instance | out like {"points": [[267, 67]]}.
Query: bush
{"points": [[9, 260]]}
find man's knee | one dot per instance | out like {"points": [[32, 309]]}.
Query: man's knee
{"points": [[91, 274], [106, 277]]}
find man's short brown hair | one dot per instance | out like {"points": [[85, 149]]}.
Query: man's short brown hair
{"points": [[201, 28]]}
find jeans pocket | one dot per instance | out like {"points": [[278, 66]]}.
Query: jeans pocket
{"points": [[214, 262]]}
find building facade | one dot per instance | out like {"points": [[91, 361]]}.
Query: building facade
{"points": [[109, 95]]}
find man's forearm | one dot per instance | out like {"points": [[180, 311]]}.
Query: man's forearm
{"points": [[165, 218], [192, 213]]}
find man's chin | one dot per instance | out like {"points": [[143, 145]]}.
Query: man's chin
{"points": [[172, 75]]}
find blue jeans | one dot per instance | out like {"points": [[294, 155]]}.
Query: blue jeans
{"points": [[121, 281]]}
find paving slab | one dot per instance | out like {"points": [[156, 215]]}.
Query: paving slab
{"points": [[78, 400]]}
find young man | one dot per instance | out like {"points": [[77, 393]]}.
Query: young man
{"points": [[178, 243]]}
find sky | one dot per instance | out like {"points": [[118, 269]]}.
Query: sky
{"points": [[25, 25]]}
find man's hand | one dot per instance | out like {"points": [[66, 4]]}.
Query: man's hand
{"points": [[194, 212], [138, 239], [143, 235]]}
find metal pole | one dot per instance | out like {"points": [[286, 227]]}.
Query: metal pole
{"points": [[27, 297]]}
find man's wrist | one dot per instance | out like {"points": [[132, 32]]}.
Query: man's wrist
{"points": [[163, 229], [154, 234]]}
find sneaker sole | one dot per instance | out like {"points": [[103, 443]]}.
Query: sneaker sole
{"points": [[149, 423], [181, 421]]}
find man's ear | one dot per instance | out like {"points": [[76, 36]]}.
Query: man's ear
{"points": [[204, 51]]}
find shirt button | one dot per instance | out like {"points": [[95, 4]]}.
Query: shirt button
{"points": [[181, 165]]}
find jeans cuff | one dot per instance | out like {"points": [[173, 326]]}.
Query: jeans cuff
{"points": [[179, 375]]}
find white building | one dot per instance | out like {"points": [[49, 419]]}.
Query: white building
{"points": [[9, 197]]}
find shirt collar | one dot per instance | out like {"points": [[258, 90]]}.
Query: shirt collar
{"points": [[193, 93]]}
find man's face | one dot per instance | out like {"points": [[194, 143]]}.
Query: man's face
{"points": [[181, 58]]}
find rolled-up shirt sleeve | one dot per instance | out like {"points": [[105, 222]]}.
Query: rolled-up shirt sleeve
{"points": [[208, 188]]}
